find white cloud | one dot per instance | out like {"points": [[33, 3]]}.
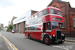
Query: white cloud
{"points": [[6, 3], [10, 8], [72, 3]]}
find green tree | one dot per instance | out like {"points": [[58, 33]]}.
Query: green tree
{"points": [[10, 27], [0, 27]]}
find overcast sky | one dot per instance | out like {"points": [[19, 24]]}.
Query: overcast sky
{"points": [[10, 8]]}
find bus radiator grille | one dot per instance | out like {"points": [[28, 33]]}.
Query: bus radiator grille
{"points": [[58, 34]]}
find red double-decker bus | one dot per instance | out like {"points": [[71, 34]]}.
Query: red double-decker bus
{"points": [[44, 26]]}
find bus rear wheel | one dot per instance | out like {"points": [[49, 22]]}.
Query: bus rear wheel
{"points": [[47, 40]]}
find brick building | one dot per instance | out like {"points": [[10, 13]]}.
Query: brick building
{"points": [[2, 26], [68, 13], [19, 23]]}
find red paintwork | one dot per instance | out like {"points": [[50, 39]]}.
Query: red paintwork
{"points": [[37, 35], [50, 18]]}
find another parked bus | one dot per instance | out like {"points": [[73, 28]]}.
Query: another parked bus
{"points": [[44, 26]]}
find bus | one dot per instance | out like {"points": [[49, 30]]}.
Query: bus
{"points": [[44, 25]]}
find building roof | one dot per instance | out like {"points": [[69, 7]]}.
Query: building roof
{"points": [[59, 1], [34, 10], [73, 8]]}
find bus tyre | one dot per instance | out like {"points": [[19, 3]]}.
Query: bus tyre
{"points": [[47, 40], [61, 42]]}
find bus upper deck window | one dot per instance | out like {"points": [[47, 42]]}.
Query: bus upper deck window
{"points": [[58, 12], [40, 14], [52, 11], [45, 12]]}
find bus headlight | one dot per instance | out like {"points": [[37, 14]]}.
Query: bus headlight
{"points": [[53, 18], [53, 35], [62, 34]]}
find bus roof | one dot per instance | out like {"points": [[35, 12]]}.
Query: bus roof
{"points": [[44, 9]]}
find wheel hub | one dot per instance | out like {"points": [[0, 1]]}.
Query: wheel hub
{"points": [[46, 40]]}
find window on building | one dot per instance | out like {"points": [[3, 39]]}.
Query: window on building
{"points": [[63, 24], [52, 11], [57, 7], [54, 5], [74, 21], [45, 12]]}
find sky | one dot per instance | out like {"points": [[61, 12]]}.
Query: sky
{"points": [[10, 8]]}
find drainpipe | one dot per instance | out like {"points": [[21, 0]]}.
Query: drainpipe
{"points": [[69, 23]]}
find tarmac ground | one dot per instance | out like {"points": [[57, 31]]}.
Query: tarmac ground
{"points": [[2, 44]]}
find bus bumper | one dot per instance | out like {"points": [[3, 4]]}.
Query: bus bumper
{"points": [[54, 39]]}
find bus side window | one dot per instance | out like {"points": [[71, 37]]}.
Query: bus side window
{"points": [[45, 12], [40, 14], [26, 28], [35, 16], [35, 28], [48, 25]]}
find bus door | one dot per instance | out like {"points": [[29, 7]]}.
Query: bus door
{"points": [[44, 27]]}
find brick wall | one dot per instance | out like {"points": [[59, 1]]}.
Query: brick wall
{"points": [[22, 27], [32, 12], [17, 28]]}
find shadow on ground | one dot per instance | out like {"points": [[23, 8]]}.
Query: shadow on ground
{"points": [[43, 42]]}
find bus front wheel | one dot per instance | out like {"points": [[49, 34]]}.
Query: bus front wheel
{"points": [[47, 40]]}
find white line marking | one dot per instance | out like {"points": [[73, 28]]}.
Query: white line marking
{"points": [[8, 42], [62, 47]]}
